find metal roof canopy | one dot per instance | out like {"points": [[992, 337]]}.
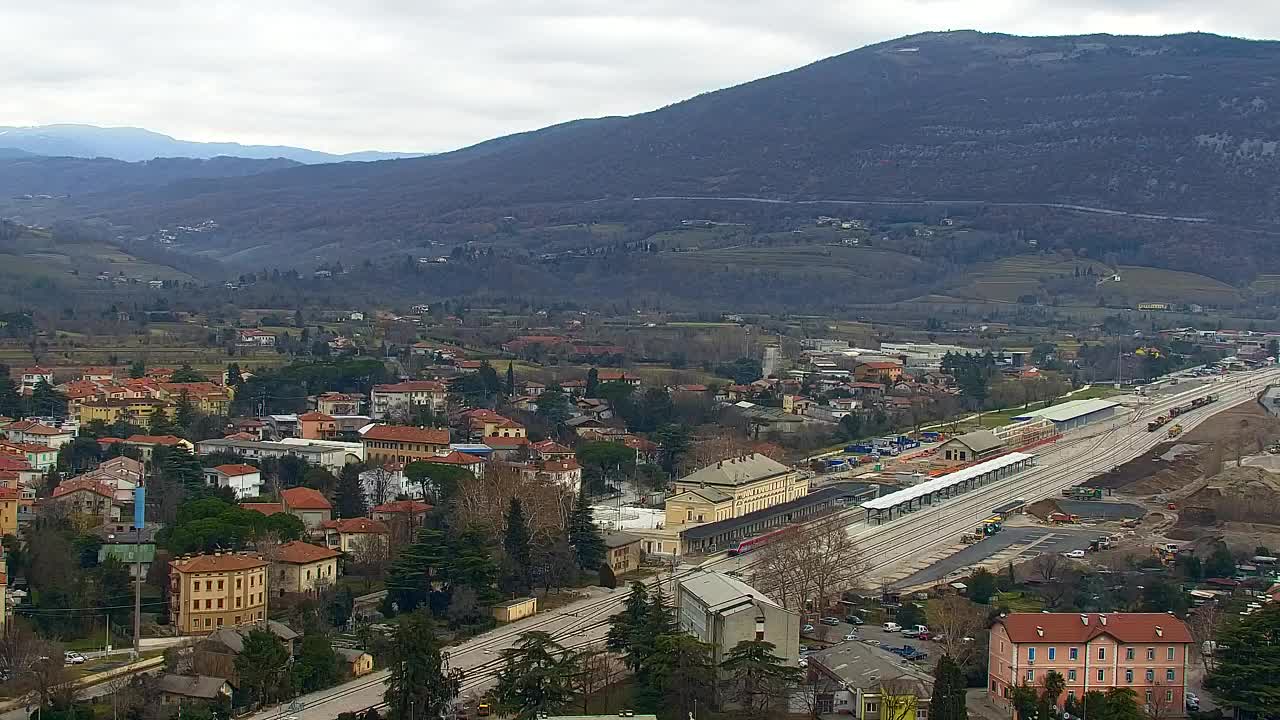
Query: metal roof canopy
{"points": [[946, 481], [1064, 412]]}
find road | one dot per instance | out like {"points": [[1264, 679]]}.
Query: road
{"points": [[1022, 540], [1072, 460]]}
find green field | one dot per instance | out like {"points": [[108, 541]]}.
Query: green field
{"points": [[827, 262]]}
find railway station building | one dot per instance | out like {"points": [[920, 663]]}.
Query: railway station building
{"points": [[939, 489], [971, 446], [726, 534]]}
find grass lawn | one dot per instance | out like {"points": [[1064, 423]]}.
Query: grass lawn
{"points": [[1020, 602], [1098, 391]]}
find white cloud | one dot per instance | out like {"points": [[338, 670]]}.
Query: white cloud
{"points": [[439, 74]]}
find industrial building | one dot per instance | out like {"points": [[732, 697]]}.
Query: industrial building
{"points": [[971, 446], [1074, 414], [927, 493], [722, 611]]}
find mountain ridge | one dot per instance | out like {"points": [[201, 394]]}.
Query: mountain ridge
{"points": [[132, 144]]}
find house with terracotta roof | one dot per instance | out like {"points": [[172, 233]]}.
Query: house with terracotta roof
{"points": [[349, 533], [551, 450], [255, 337], [244, 480], [134, 410], [98, 374], [402, 443], [29, 378], [300, 567], [210, 592], [335, 403], [88, 498], [566, 473], [492, 424], [35, 433], [411, 512], [39, 457], [317, 426], [882, 371], [507, 448], [619, 376], [460, 459], [398, 401], [1148, 653], [308, 505], [147, 444]]}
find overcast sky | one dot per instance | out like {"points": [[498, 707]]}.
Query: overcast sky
{"points": [[430, 75]]}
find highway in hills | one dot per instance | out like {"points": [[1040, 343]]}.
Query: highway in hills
{"points": [[1076, 457]]}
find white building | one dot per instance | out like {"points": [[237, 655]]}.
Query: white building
{"points": [[722, 611], [400, 400], [244, 480]]}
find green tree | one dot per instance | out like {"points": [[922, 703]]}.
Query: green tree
{"points": [[489, 379], [439, 483], [137, 369], [673, 443], [1221, 563], [161, 424], [186, 374], [519, 549], [982, 586], [184, 412], [233, 375], [48, 401], [349, 497], [10, 400], [593, 382], [553, 405], [1054, 686], [1245, 678], [511, 380], [317, 664], [537, 676], [948, 702], [604, 462], [263, 667], [420, 683], [584, 536], [1159, 595], [682, 675], [757, 680], [625, 627]]}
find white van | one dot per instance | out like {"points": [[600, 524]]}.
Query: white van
{"points": [[891, 627]]}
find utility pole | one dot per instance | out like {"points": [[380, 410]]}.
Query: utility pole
{"points": [[139, 522]]}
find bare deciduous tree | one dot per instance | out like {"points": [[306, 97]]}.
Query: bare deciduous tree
{"points": [[598, 670], [899, 698], [369, 558], [955, 618], [1203, 623], [809, 567], [378, 483], [1046, 566]]}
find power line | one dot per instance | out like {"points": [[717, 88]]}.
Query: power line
{"points": [[95, 610]]}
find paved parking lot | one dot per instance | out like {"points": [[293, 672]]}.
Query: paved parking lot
{"points": [[834, 635], [1008, 544]]}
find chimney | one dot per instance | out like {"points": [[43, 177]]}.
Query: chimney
{"points": [[1159, 631], [1039, 631], [1084, 619], [1102, 618]]}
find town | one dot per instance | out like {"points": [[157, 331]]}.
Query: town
{"points": [[467, 521]]}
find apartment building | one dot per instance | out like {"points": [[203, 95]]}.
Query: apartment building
{"points": [[209, 592], [301, 567], [1148, 653], [384, 444], [400, 400]]}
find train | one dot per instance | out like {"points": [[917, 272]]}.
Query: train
{"points": [[1177, 410], [750, 544]]}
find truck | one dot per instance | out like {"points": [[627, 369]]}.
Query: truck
{"points": [[1176, 430], [930, 436], [1082, 493], [859, 448]]}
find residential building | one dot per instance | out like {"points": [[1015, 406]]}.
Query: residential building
{"points": [[565, 473], [177, 689], [869, 683], [351, 533], [403, 444], [886, 372], [508, 448], [622, 552], [308, 505], [1148, 653], [146, 444], [607, 375], [317, 426], [460, 459], [137, 411], [355, 662], [244, 480], [38, 457], [215, 655], [121, 542], [255, 337], [971, 446], [411, 512], [722, 611], [332, 457], [36, 433], [734, 487], [551, 450], [88, 498], [209, 592], [335, 403], [10, 500], [29, 378], [399, 401], [299, 567]]}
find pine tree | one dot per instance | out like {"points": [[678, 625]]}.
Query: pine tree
{"points": [[584, 536], [511, 380], [184, 413], [624, 627], [948, 701], [421, 683], [519, 549], [10, 400], [137, 369], [349, 495], [234, 379], [658, 621]]}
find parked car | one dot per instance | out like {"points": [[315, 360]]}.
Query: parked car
{"points": [[830, 621], [891, 627], [850, 636], [71, 657], [911, 634], [1074, 554], [808, 628], [804, 662], [1193, 701], [853, 619], [871, 641], [926, 635]]}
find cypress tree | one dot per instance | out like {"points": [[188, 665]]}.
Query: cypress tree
{"points": [[519, 549], [584, 536]]}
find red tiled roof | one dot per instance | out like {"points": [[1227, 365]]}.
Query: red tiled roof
{"points": [[867, 385], [1082, 627], [481, 414], [267, 508], [412, 386], [355, 526], [235, 470], [8, 493], [405, 433], [691, 388], [301, 553], [551, 447], [881, 365], [608, 375], [217, 563], [241, 436], [154, 440], [31, 427], [470, 364], [13, 462], [27, 447], [314, 416], [403, 506], [565, 465], [75, 485], [455, 457], [505, 443], [304, 498]]}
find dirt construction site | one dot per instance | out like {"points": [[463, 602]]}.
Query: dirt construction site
{"points": [[1218, 481]]}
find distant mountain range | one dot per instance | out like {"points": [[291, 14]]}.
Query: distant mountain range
{"points": [[1185, 125], [136, 144]]}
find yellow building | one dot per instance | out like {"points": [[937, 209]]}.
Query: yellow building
{"points": [[384, 444], [208, 592], [299, 567], [134, 410], [10, 499], [732, 488], [353, 533]]}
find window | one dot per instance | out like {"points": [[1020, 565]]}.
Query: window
{"points": [[219, 603], [1102, 675], [1168, 696], [1128, 653], [1169, 675], [1031, 654], [1074, 653], [219, 584], [237, 619], [1128, 676], [195, 604], [1151, 675], [1053, 654], [238, 583], [219, 622], [208, 604], [208, 622], [1102, 653], [1148, 693], [1151, 653], [872, 707], [208, 585], [1170, 653], [1071, 675], [238, 602]]}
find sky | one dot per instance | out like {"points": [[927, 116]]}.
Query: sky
{"points": [[435, 75]]}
